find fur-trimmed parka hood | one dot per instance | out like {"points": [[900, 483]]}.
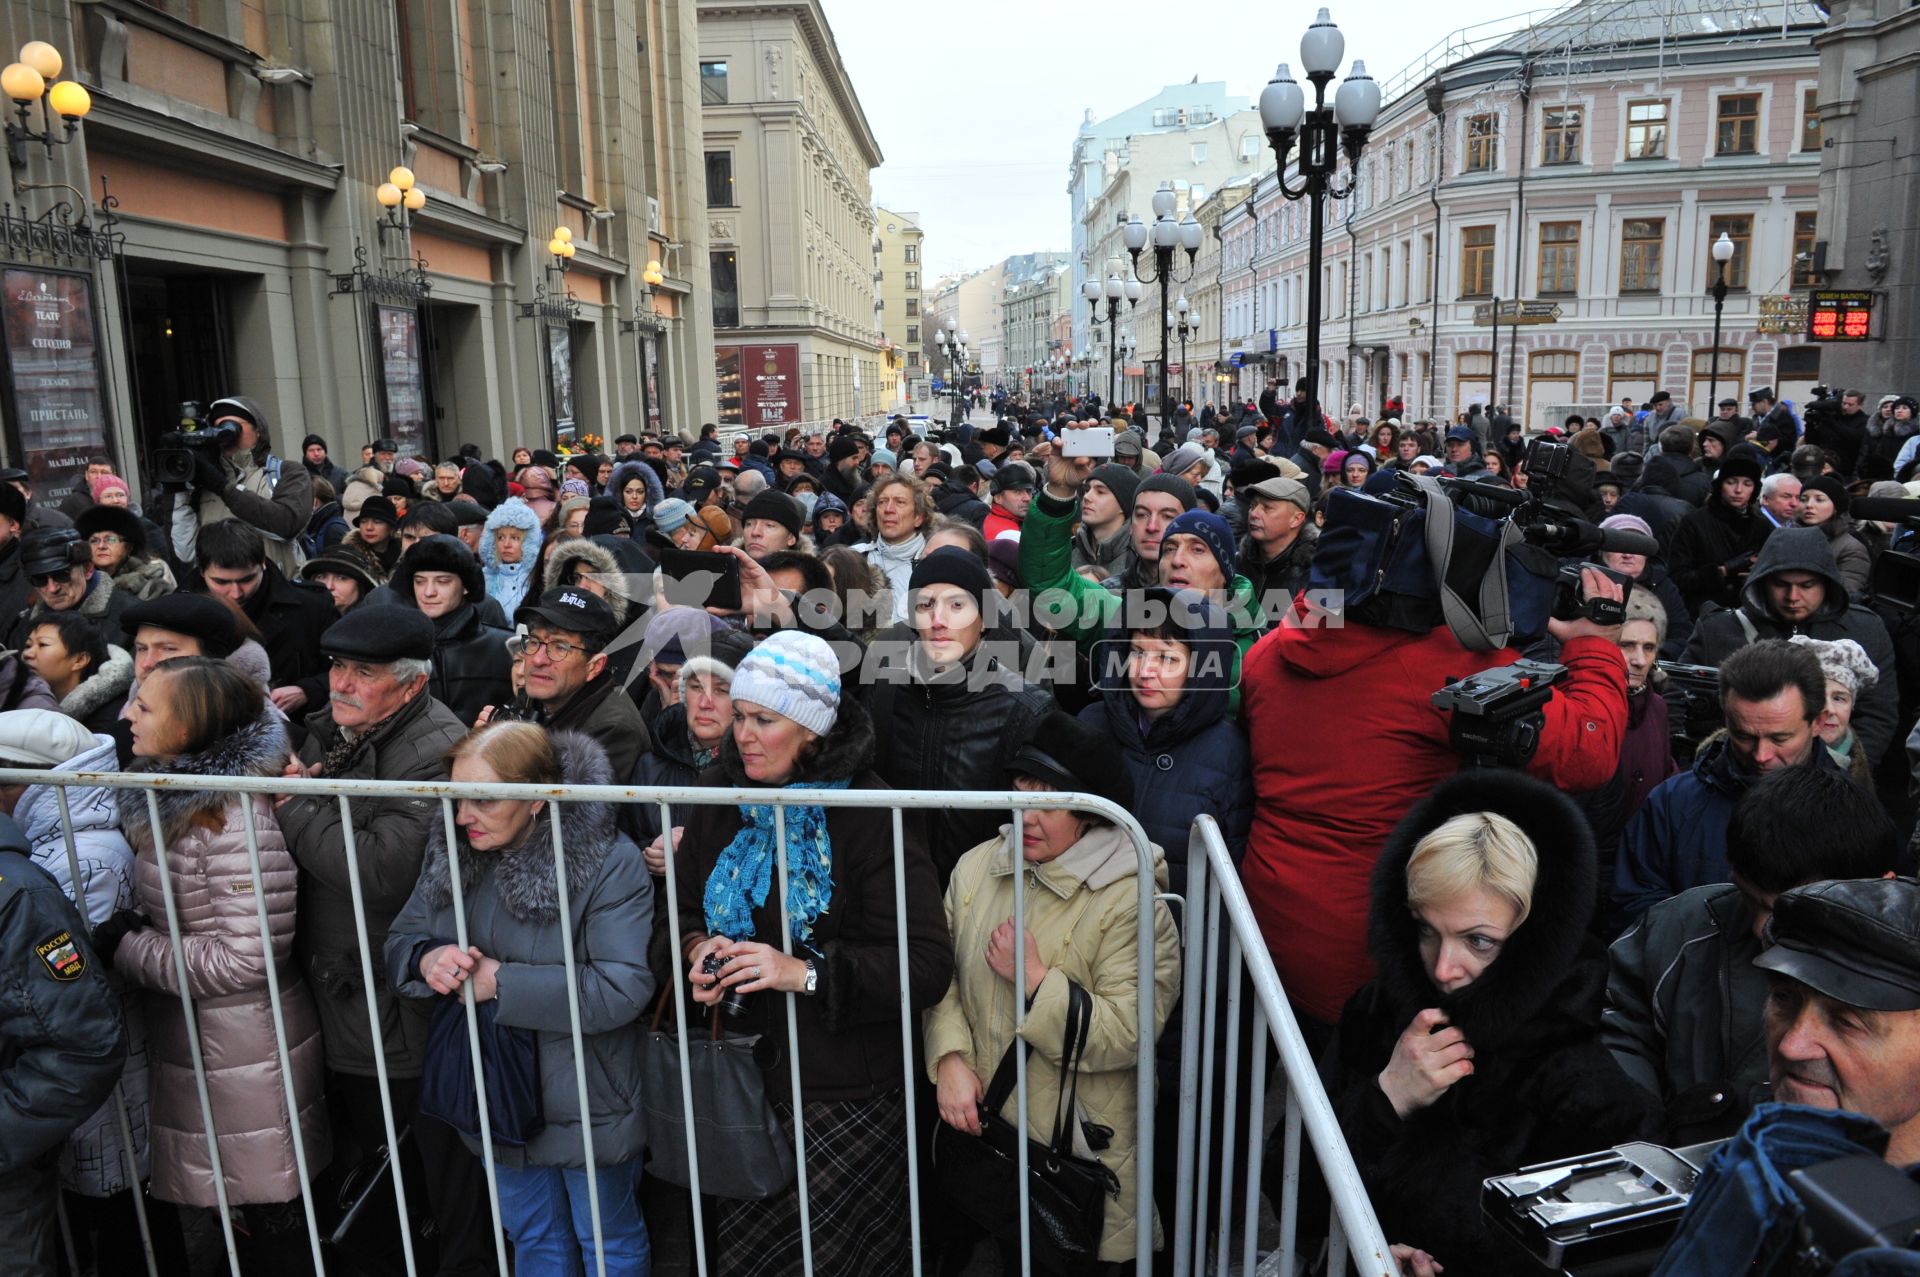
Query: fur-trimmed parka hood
{"points": [[605, 569], [101, 687], [524, 876], [1525, 993], [258, 749], [843, 754]]}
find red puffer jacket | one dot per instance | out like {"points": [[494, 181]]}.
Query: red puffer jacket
{"points": [[1345, 740]]}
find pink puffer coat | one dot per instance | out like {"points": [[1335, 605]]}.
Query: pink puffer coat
{"points": [[206, 845]]}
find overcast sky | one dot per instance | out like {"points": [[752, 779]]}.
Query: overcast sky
{"points": [[975, 105]]}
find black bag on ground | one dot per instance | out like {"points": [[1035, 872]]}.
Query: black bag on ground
{"points": [[745, 1152], [980, 1176]]}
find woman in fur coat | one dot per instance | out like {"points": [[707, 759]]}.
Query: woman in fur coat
{"points": [[197, 716], [1477, 1048]]}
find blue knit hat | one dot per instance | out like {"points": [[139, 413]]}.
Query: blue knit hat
{"points": [[796, 676], [1210, 528]]}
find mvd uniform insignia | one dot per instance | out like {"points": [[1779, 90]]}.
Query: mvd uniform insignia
{"points": [[62, 956]]}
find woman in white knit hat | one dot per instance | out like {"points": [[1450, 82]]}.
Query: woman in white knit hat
{"points": [[792, 729], [1849, 674]]}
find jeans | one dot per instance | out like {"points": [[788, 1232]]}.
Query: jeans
{"points": [[547, 1217]]}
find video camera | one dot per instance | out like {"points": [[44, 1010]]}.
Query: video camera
{"points": [[177, 453], [1613, 1213], [1896, 570], [1692, 693], [1499, 713]]}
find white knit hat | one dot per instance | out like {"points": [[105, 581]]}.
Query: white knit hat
{"points": [[796, 676], [1842, 660], [41, 737]]}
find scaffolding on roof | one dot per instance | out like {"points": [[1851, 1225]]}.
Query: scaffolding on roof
{"points": [[1582, 35]]}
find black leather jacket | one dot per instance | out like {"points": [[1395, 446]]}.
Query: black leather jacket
{"points": [[470, 663]]}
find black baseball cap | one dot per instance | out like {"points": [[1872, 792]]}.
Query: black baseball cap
{"points": [[571, 609]]}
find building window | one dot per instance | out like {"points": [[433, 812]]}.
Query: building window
{"points": [[1476, 261], [1559, 258], [1739, 124], [1804, 227], [1483, 143], [726, 290], [1810, 120], [913, 330], [1560, 136], [720, 179], [1642, 244], [913, 280], [913, 252], [1739, 229], [913, 306], [1647, 130], [1632, 374], [1716, 374], [713, 84]]}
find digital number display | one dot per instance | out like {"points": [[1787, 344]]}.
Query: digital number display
{"points": [[1840, 316]]}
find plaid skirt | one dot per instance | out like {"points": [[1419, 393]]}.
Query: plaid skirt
{"points": [[857, 1198]]}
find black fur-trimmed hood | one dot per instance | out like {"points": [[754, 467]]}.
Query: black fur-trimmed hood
{"points": [[258, 749], [845, 753], [1523, 992], [524, 876]]}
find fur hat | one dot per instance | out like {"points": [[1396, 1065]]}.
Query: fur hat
{"points": [[440, 553]]}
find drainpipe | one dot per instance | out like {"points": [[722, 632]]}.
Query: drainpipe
{"points": [[1520, 219], [1436, 103], [1353, 293]]}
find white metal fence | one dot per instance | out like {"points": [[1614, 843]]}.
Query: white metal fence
{"points": [[1218, 910]]}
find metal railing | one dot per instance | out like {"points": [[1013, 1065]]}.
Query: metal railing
{"points": [[667, 799], [1217, 908]]}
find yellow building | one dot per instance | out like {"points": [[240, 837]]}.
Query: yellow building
{"points": [[900, 255]]}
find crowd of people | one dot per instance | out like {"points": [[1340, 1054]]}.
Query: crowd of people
{"points": [[1638, 933]]}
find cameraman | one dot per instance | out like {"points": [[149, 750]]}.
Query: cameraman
{"points": [[247, 483], [1838, 423], [1328, 700]]}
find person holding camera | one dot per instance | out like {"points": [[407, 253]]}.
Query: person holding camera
{"points": [[1714, 546], [1477, 1047], [794, 729], [244, 481]]}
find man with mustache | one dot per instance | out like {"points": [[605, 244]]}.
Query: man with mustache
{"points": [[1843, 1003], [380, 723]]}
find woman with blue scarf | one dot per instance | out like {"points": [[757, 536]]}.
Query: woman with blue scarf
{"points": [[792, 730], [510, 552]]}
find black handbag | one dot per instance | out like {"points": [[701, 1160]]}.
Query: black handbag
{"points": [[510, 1058], [1067, 1195], [367, 1233], [746, 1153]]}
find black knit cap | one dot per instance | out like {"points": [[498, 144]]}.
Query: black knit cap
{"points": [[1173, 484], [1836, 491], [1068, 754], [951, 565], [439, 553], [194, 615], [379, 634], [380, 508], [603, 515], [782, 509], [840, 447]]}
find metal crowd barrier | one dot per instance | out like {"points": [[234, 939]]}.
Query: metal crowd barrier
{"points": [[1216, 907], [1326, 1139]]}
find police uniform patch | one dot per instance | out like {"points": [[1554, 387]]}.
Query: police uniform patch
{"points": [[62, 956]]}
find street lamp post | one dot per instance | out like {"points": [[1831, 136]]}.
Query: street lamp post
{"points": [[1167, 235], [1187, 321], [1722, 254], [1284, 115]]}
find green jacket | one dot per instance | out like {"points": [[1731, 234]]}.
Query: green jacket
{"points": [[1081, 609]]}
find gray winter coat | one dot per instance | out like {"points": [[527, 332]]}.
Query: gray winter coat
{"points": [[390, 835], [94, 1162], [513, 911]]}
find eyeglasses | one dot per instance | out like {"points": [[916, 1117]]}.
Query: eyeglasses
{"points": [[556, 650], [105, 541], [48, 578]]}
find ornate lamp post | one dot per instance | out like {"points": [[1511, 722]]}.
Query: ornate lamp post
{"points": [[35, 78], [1187, 320], [1722, 254], [1166, 235], [1284, 115]]}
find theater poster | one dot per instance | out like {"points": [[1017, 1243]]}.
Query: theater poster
{"points": [[58, 403]]}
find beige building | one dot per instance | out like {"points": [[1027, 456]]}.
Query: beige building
{"points": [[243, 249], [1030, 309], [900, 259], [791, 260]]}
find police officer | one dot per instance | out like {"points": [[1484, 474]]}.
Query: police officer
{"points": [[62, 1046]]}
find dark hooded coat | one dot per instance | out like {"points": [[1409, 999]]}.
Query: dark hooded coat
{"points": [[1542, 1084], [1706, 539], [1718, 635], [1194, 758]]}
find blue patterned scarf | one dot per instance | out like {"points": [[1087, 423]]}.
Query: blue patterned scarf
{"points": [[742, 876]]}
